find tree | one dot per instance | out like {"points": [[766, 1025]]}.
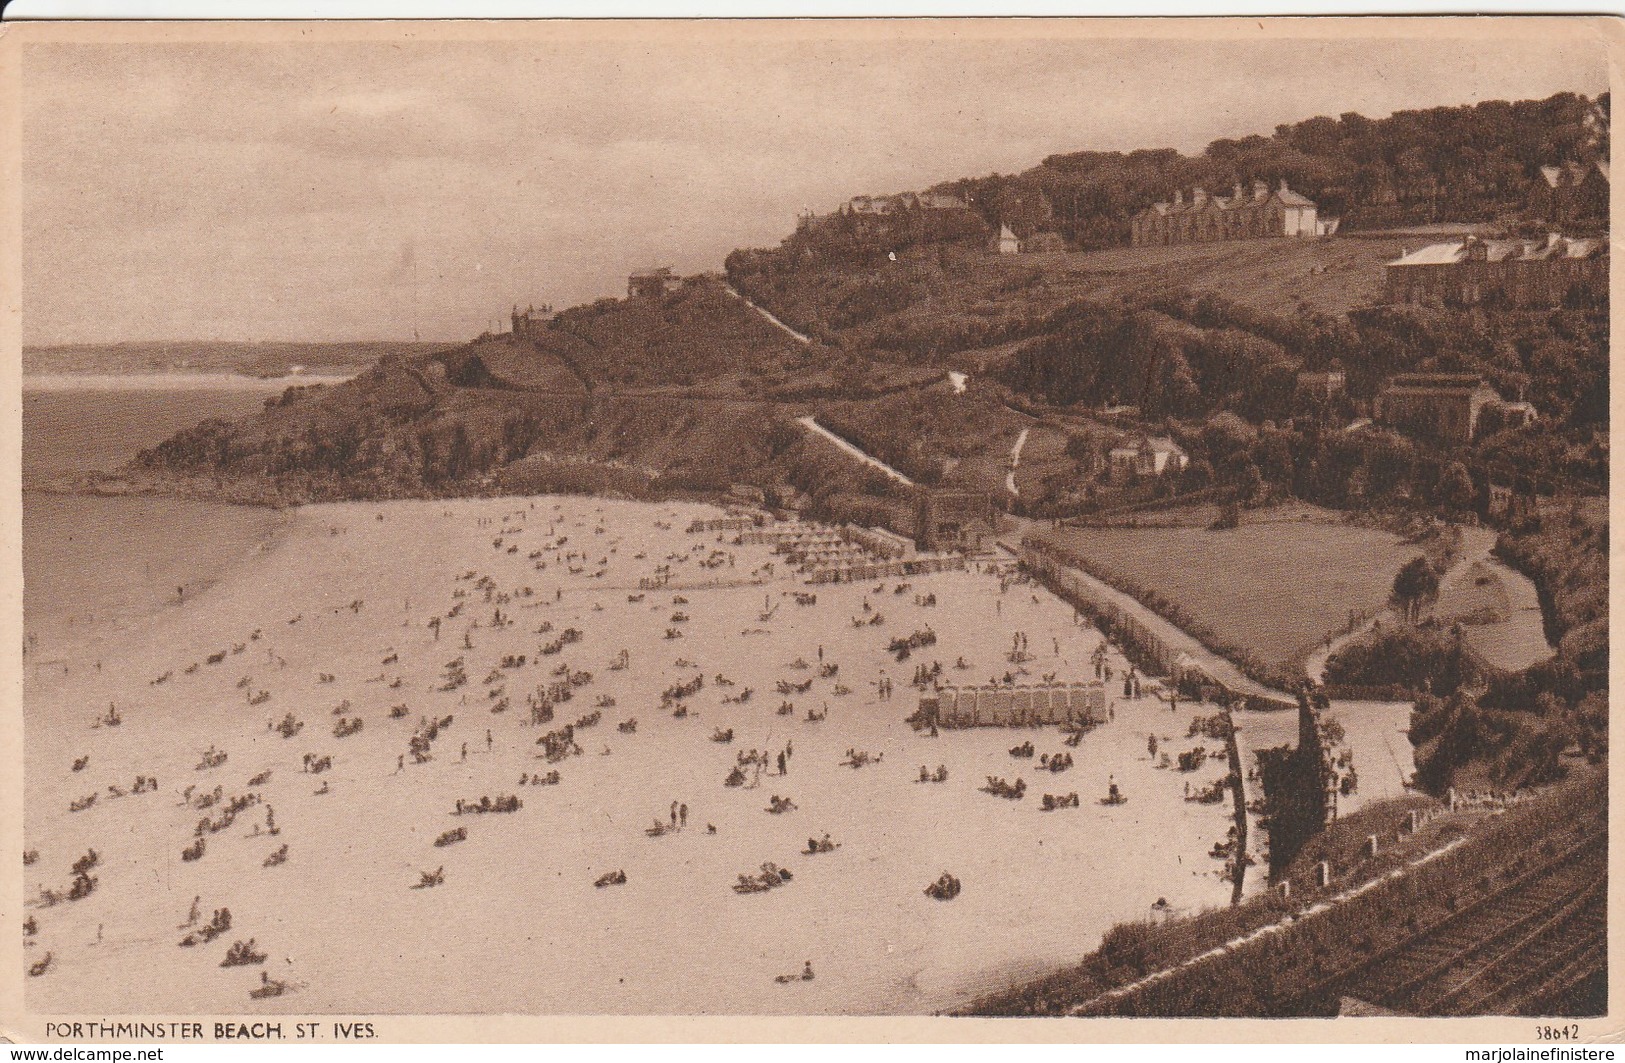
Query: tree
{"points": [[1415, 583], [1456, 491]]}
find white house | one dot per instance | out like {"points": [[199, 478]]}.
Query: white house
{"points": [[1146, 456]]}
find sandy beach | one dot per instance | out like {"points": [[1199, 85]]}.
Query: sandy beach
{"points": [[334, 625]]}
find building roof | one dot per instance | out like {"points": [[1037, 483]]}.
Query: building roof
{"points": [[1554, 246], [1457, 385], [1005, 233], [1436, 379], [1154, 444], [1552, 174], [1241, 199], [1577, 172]]}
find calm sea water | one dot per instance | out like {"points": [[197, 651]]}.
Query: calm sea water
{"points": [[93, 566]]}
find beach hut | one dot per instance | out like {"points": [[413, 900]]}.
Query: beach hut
{"points": [[1021, 705]]}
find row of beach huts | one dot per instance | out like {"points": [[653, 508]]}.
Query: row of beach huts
{"points": [[1012, 706]]}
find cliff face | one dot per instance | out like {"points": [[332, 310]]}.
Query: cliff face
{"points": [[691, 391], [448, 424]]}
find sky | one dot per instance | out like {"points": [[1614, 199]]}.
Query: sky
{"points": [[377, 190]]}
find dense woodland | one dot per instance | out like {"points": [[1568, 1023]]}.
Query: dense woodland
{"points": [[1476, 163], [1469, 163]]}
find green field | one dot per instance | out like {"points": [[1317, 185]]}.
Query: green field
{"points": [[1275, 586]]}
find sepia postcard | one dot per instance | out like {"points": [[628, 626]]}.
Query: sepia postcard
{"points": [[821, 530]]}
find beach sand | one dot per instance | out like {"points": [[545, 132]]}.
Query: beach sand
{"points": [[517, 925]]}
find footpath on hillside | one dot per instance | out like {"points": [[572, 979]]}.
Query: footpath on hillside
{"points": [[1015, 463], [1513, 643], [769, 318], [811, 424]]}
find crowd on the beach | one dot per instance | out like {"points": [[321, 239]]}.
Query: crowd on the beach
{"points": [[502, 637]]}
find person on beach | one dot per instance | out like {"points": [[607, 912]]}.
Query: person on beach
{"points": [[465, 753], [488, 740], [682, 815], [674, 813]]}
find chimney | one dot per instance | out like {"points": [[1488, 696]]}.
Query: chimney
{"points": [[1284, 188], [1199, 197], [1260, 190], [1179, 197], [1236, 197]]}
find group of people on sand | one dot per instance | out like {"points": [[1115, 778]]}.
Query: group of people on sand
{"points": [[821, 845], [806, 975], [764, 761]]}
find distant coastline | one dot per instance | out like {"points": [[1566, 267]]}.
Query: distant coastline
{"points": [[176, 381]]}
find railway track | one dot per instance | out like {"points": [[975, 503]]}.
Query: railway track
{"points": [[1540, 933]]}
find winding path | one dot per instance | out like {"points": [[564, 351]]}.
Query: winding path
{"points": [[811, 424], [1526, 642], [1015, 463]]}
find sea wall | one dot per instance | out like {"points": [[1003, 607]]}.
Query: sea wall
{"points": [[1238, 795]]}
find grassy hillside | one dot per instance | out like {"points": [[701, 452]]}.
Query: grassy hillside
{"points": [[942, 299], [697, 334], [1272, 588]]}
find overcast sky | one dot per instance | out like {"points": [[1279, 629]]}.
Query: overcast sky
{"points": [[359, 191]]}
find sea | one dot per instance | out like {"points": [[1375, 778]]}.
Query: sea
{"points": [[94, 566]]}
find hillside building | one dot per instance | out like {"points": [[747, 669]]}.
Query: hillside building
{"points": [[1323, 386], [1146, 456], [1006, 242], [953, 520], [652, 283], [1243, 216], [531, 321], [1570, 195], [1043, 243], [860, 209], [895, 222], [1545, 272], [1446, 408]]}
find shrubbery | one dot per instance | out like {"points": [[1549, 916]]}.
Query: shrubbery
{"points": [[1425, 658]]}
